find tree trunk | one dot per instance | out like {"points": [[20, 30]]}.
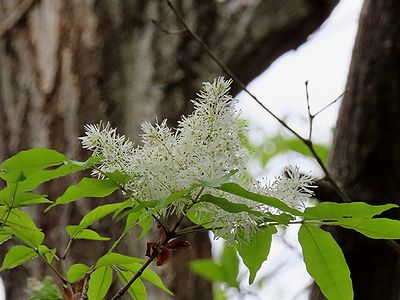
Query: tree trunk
{"points": [[366, 149], [67, 63]]}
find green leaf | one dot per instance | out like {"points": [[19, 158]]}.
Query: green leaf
{"points": [[76, 272], [216, 183], [87, 187], [235, 189], [28, 162], [226, 271], [5, 235], [200, 218], [26, 199], [331, 210], [380, 228], [17, 256], [48, 253], [77, 233], [42, 176], [255, 251], [118, 177], [227, 205], [163, 203], [325, 262], [281, 144], [230, 265], [116, 259], [23, 227], [98, 213], [148, 275], [145, 225], [99, 283], [85, 164], [208, 269], [137, 290]]}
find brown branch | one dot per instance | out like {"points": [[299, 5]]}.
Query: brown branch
{"points": [[126, 287], [307, 142], [329, 104], [169, 31], [227, 70], [85, 287], [15, 17]]}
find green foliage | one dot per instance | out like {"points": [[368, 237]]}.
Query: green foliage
{"points": [[46, 290], [235, 189], [332, 210], [17, 256], [255, 251], [99, 283], [381, 228], [87, 187], [76, 271], [325, 262], [137, 290], [225, 271], [27, 170], [279, 144]]}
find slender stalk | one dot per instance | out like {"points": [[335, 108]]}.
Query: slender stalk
{"points": [[69, 244], [310, 116], [329, 104], [126, 287], [59, 275]]}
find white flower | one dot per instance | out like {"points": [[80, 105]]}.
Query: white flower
{"points": [[294, 188], [105, 142], [205, 145]]}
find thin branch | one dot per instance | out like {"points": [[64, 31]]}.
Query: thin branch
{"points": [[15, 17], [307, 142], [227, 70], [310, 116], [126, 287], [169, 31], [329, 104], [64, 281]]}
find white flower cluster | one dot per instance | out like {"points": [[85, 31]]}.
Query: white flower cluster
{"points": [[204, 146]]}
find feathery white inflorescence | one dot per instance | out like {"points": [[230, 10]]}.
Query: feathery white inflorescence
{"points": [[204, 146]]}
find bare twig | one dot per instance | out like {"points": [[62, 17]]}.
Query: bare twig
{"points": [[310, 116], [59, 275], [227, 70], [169, 31], [15, 17], [329, 104], [307, 142]]}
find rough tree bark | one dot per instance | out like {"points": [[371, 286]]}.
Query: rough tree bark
{"points": [[366, 150], [67, 63]]}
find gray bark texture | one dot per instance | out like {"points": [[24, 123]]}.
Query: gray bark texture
{"points": [[64, 64], [366, 150]]}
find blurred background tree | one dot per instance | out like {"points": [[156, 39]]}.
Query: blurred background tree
{"points": [[365, 155], [67, 63]]}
